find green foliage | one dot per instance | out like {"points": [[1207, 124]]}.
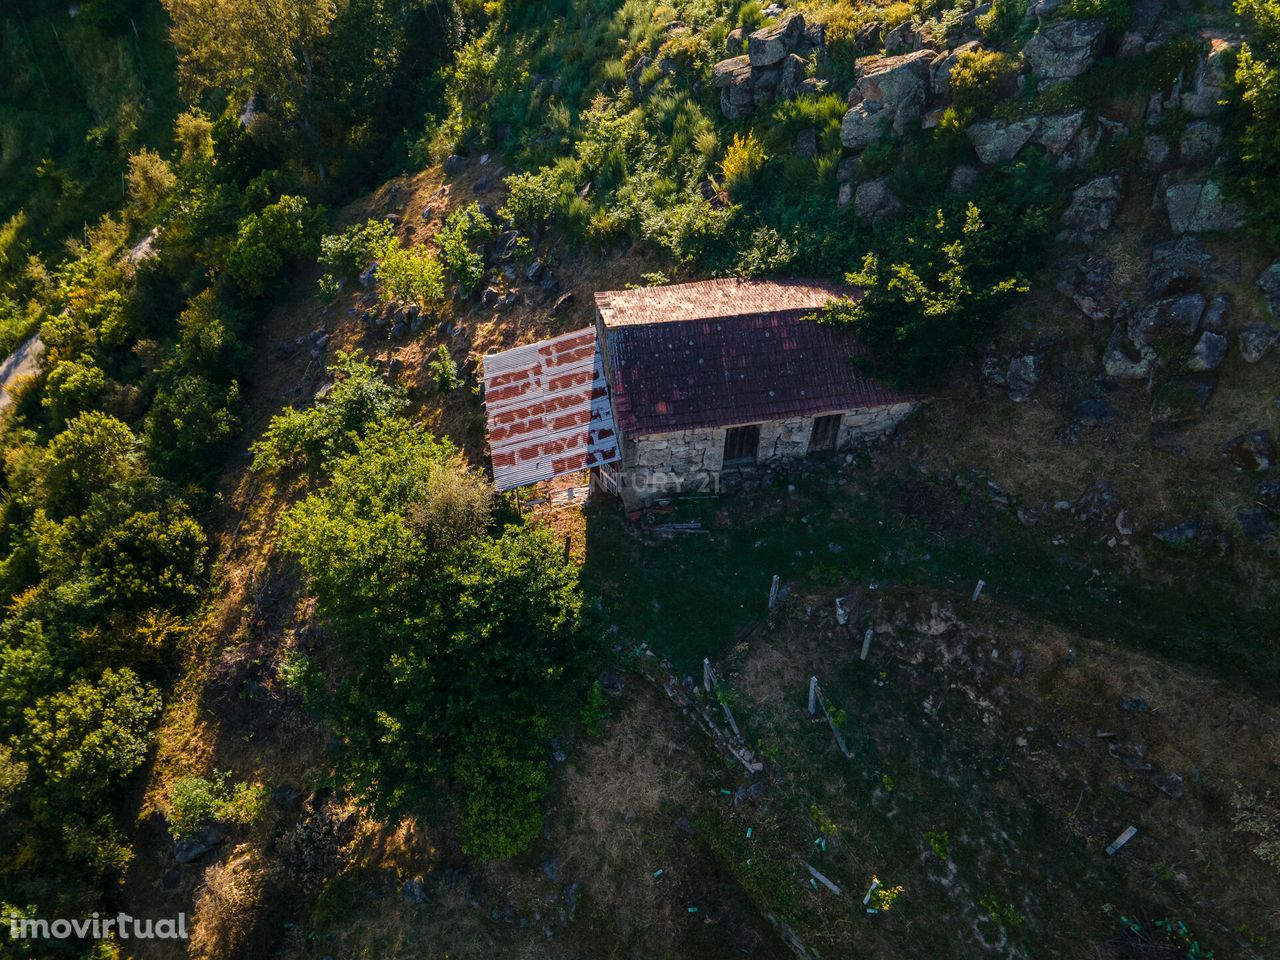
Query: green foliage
{"points": [[444, 370], [1006, 23], [1257, 83], [742, 160], [535, 199], [358, 399], [284, 231], [978, 79], [197, 800], [935, 298], [72, 386], [462, 232], [593, 711], [344, 255], [409, 275], [82, 741], [939, 842], [1005, 914], [1116, 13]]}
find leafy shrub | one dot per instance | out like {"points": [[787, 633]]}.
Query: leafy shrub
{"points": [[765, 253], [535, 199], [149, 180], [463, 230], [72, 386], [1006, 22], [409, 274], [742, 160], [978, 79], [444, 370], [266, 241], [1116, 13], [195, 800]]}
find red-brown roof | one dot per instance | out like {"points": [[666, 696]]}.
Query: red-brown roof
{"points": [[547, 410], [727, 352]]}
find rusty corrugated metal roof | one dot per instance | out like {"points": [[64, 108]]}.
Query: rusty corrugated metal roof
{"points": [[547, 410], [677, 364]]}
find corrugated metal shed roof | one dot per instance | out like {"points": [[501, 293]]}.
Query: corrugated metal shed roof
{"points": [[547, 410], [676, 364]]}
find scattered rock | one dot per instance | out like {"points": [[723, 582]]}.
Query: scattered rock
{"points": [[1257, 340], [1178, 266], [1269, 284], [1023, 377], [1170, 784], [770, 45], [902, 39], [563, 302], [1087, 282], [454, 165], [1268, 492], [1182, 533], [1093, 208], [875, 200], [1215, 314], [807, 143], [1132, 704], [1208, 86], [192, 848], [1258, 526], [1209, 352], [890, 92], [1064, 49], [1255, 450], [1173, 318], [490, 297], [1181, 397], [963, 179], [1057, 132], [415, 891], [1155, 152], [1125, 360]]}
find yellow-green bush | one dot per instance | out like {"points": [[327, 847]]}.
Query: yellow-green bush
{"points": [[744, 157], [979, 78]]}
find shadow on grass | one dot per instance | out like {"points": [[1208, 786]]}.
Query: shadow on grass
{"points": [[691, 594]]}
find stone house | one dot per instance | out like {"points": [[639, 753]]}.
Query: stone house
{"points": [[680, 388]]}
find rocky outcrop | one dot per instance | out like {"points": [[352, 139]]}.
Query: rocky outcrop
{"points": [[1178, 266], [1209, 352], [889, 94], [1092, 209], [1124, 360], [1200, 208], [1269, 284], [774, 67], [1064, 49], [1208, 86], [875, 200]]}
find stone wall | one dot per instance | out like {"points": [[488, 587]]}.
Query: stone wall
{"points": [[661, 465]]}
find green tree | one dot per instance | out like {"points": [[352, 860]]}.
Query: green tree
{"points": [[933, 301], [95, 453], [462, 232], [1257, 79], [266, 241], [84, 740], [459, 651]]}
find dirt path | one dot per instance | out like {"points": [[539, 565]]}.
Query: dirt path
{"points": [[23, 362]]}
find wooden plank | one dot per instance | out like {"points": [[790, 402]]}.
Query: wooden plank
{"points": [[813, 872]]}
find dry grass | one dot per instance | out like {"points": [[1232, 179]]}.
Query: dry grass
{"points": [[227, 905]]}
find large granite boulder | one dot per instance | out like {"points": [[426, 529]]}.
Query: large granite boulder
{"points": [[1125, 360], [895, 87], [1064, 49], [1257, 340], [1269, 284], [998, 141], [1056, 132], [770, 45], [1200, 208]]}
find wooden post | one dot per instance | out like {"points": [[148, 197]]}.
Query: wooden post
{"points": [[708, 675], [568, 541], [813, 695], [866, 642], [773, 591]]}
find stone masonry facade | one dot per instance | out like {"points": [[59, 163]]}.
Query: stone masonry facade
{"points": [[692, 461]]}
